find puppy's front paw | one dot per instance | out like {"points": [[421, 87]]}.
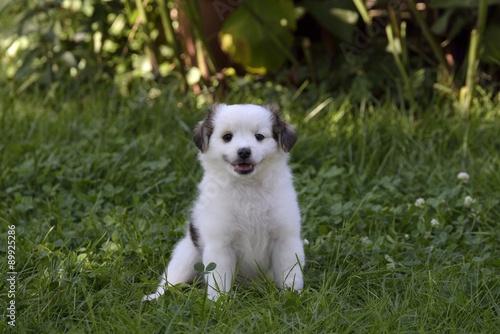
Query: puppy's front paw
{"points": [[292, 290], [213, 294], [154, 296]]}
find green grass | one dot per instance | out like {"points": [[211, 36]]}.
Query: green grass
{"points": [[99, 189]]}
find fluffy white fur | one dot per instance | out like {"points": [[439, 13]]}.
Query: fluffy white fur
{"points": [[246, 218]]}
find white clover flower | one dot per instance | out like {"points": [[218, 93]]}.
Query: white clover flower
{"points": [[366, 241], [434, 222], [463, 176], [469, 201], [61, 272], [305, 242], [407, 236], [420, 203], [390, 262]]}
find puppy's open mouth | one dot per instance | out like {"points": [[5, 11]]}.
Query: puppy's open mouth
{"points": [[243, 168]]}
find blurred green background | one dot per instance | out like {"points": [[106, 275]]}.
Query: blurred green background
{"points": [[404, 50]]}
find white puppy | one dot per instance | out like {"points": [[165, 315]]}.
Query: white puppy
{"points": [[246, 219]]}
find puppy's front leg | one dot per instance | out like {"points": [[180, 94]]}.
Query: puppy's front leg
{"points": [[180, 269], [220, 280], [287, 262]]}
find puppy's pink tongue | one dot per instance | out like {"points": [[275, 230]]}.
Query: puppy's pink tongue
{"points": [[243, 168]]}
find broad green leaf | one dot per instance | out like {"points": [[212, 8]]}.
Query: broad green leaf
{"points": [[337, 16], [211, 266], [199, 267], [492, 43], [441, 24], [258, 34]]}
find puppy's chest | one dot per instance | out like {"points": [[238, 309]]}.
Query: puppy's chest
{"points": [[253, 235], [253, 211], [253, 228], [247, 217]]}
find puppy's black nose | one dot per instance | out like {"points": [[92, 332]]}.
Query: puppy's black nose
{"points": [[244, 152]]}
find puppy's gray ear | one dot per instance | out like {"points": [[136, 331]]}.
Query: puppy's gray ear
{"points": [[283, 132], [203, 130], [199, 137]]}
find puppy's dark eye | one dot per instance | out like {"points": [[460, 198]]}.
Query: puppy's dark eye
{"points": [[227, 137], [259, 137]]}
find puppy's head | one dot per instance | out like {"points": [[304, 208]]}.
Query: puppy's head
{"points": [[241, 137]]}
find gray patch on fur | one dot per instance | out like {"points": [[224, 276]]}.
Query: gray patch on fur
{"points": [[283, 132], [195, 237], [204, 129]]}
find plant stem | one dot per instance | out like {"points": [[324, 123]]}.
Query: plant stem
{"points": [[436, 49], [473, 56], [149, 46], [361, 7], [401, 67], [472, 63], [204, 56], [168, 30]]}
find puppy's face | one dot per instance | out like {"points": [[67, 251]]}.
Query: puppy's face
{"points": [[241, 138]]}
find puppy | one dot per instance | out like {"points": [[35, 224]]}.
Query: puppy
{"points": [[246, 218]]}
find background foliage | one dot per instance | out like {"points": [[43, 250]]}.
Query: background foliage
{"points": [[441, 48]]}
